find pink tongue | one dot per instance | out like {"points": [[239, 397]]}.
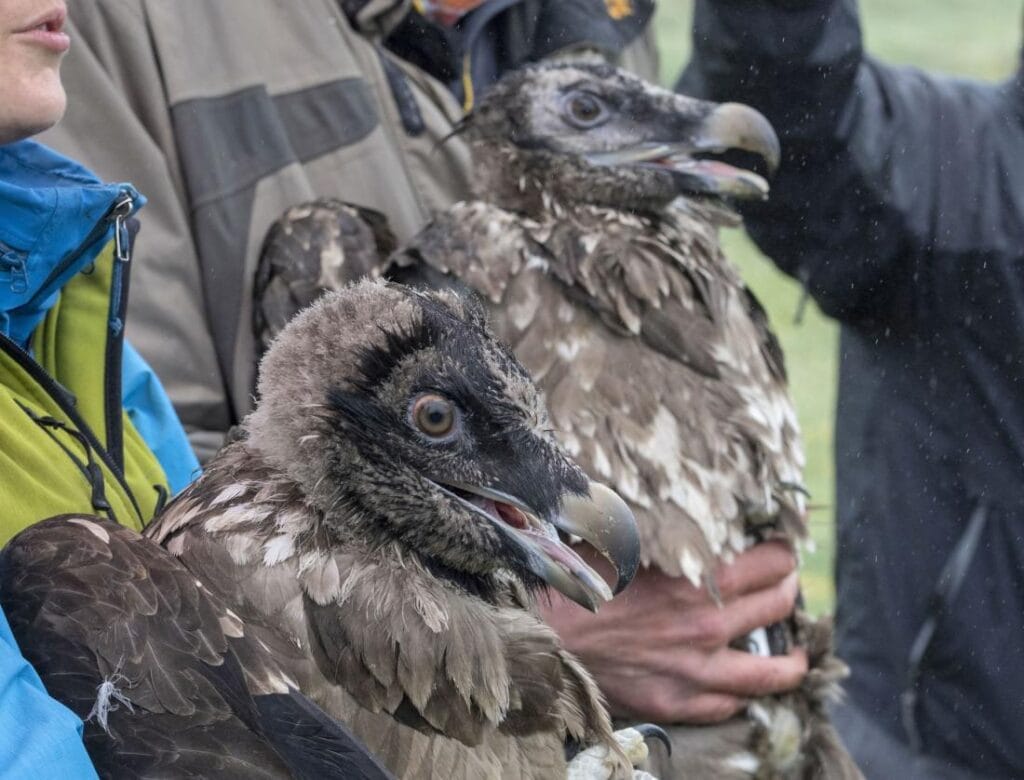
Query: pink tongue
{"points": [[488, 505]]}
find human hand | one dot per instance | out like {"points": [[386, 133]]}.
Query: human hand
{"points": [[660, 650]]}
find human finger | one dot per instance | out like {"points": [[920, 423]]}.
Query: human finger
{"points": [[666, 700], [759, 567], [739, 673], [704, 708], [716, 626]]}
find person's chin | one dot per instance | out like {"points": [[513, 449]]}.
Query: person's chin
{"points": [[25, 117]]}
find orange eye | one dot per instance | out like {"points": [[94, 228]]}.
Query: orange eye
{"points": [[585, 109], [434, 415]]}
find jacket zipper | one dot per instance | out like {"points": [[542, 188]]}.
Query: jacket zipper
{"points": [[93, 236], [118, 212], [112, 402]]}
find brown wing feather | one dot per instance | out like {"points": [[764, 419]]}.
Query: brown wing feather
{"points": [[90, 602], [312, 248], [481, 246]]}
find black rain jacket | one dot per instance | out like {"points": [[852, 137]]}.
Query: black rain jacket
{"points": [[900, 206]]}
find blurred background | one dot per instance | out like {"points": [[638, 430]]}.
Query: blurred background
{"points": [[971, 38]]}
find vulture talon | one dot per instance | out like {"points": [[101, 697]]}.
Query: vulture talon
{"points": [[652, 731], [600, 763]]}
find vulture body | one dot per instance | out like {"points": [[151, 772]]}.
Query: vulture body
{"points": [[375, 537], [594, 238], [389, 511]]}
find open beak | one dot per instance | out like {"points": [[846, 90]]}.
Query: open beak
{"points": [[729, 126], [600, 518]]}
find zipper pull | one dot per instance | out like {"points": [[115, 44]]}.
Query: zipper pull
{"points": [[95, 476], [161, 499], [122, 242], [119, 213]]}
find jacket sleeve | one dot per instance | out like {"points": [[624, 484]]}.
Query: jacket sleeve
{"points": [[871, 153], [119, 125], [39, 737]]}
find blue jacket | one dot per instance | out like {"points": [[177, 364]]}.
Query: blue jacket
{"points": [[52, 204], [54, 221], [40, 738]]}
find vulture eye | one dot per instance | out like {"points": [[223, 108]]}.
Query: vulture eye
{"points": [[585, 110], [434, 415]]}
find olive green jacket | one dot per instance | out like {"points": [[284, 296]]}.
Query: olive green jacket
{"points": [[68, 445]]}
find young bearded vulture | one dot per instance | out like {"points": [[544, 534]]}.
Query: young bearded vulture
{"points": [[593, 235], [377, 535]]}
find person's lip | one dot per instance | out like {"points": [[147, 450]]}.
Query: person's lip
{"points": [[47, 30]]}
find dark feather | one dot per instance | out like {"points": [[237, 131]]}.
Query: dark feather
{"points": [[321, 245], [315, 745]]}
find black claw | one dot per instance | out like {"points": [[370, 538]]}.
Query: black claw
{"points": [[572, 749], [650, 731]]}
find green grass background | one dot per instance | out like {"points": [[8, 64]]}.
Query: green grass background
{"points": [[976, 38]]}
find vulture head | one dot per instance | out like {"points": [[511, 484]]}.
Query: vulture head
{"points": [[406, 422], [591, 133]]}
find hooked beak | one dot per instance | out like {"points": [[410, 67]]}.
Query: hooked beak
{"points": [[725, 127], [600, 518], [736, 126]]}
